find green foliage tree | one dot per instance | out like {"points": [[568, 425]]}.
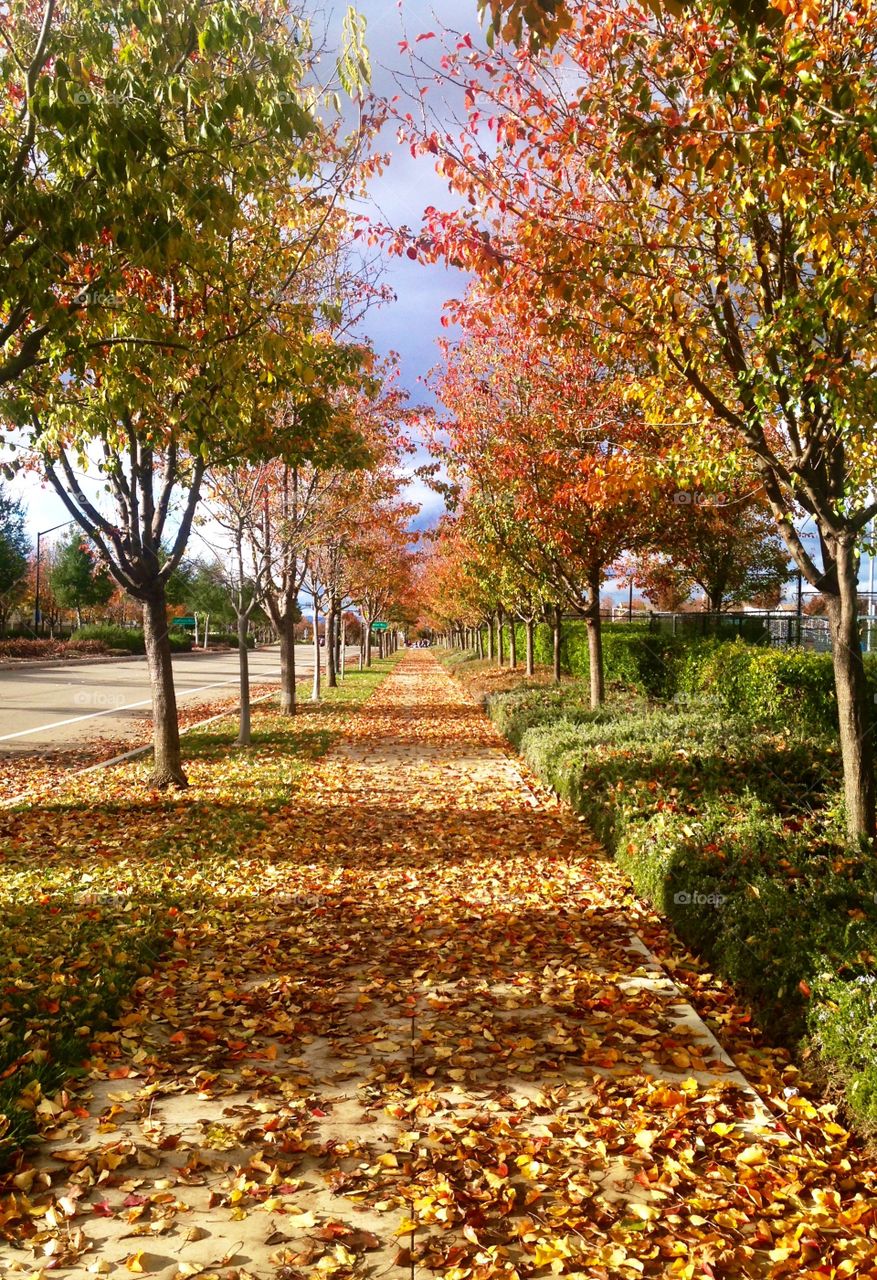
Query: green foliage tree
{"points": [[180, 364], [14, 549], [77, 579], [117, 121]]}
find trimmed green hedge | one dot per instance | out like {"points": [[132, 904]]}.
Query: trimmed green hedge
{"points": [[129, 639], [735, 833], [634, 658], [776, 688], [230, 639]]}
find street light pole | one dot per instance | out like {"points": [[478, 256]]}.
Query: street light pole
{"points": [[870, 588], [40, 535]]}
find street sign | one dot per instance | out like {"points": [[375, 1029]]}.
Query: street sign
{"points": [[184, 622], [380, 626]]}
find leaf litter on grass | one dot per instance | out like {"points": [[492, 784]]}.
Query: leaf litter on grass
{"points": [[403, 1023]]}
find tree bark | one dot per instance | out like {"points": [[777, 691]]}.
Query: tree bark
{"points": [[490, 644], [857, 751], [331, 624], [500, 642], [368, 643], [595, 640], [531, 661], [556, 627], [315, 693], [480, 636], [245, 731], [286, 631], [167, 769], [513, 644]]}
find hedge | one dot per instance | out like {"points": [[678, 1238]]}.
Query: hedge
{"points": [[735, 833], [129, 639], [776, 688]]}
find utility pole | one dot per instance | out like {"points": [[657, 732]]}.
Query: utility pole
{"points": [[37, 616], [871, 567]]}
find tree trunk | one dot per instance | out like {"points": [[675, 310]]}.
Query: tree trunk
{"points": [[167, 767], [595, 640], [78, 617], [595, 659], [245, 732], [331, 624], [206, 630], [500, 641], [480, 638], [490, 644], [287, 663], [531, 662], [315, 694], [513, 644], [556, 627], [856, 744], [339, 642], [368, 643]]}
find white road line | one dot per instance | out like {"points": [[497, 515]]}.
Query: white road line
{"points": [[111, 711]]}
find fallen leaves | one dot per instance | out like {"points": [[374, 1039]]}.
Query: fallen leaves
{"points": [[400, 1020]]}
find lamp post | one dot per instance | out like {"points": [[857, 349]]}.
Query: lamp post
{"points": [[871, 567], [42, 534]]}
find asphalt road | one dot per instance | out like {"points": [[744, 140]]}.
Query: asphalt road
{"points": [[66, 706]]}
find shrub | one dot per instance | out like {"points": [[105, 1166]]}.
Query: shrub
{"points": [[129, 639], [735, 833], [781, 688], [78, 645], [229, 640], [126, 639]]}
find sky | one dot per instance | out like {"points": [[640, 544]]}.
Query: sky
{"points": [[412, 324]]}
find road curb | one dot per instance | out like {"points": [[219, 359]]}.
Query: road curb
{"points": [[104, 660]]}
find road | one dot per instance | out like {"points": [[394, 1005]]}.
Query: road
{"points": [[66, 706]]}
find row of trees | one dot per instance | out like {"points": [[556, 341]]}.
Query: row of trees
{"points": [[558, 486], [180, 287], [675, 205]]}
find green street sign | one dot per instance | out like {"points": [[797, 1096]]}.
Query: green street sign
{"points": [[380, 626], [184, 622]]}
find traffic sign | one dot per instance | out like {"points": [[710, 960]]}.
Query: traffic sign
{"points": [[380, 626]]}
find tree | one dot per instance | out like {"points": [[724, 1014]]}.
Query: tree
{"points": [[541, 22], [117, 124], [553, 462], [77, 578], [14, 549], [235, 503], [155, 407], [707, 201], [726, 544]]}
